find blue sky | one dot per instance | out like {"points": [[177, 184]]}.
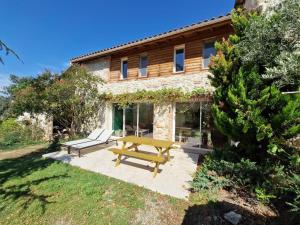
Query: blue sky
{"points": [[47, 33]]}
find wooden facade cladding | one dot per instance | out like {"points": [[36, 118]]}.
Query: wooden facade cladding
{"points": [[161, 55]]}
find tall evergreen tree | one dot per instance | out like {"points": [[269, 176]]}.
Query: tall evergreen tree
{"points": [[248, 108], [254, 73]]}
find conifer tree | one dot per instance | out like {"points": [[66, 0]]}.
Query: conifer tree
{"points": [[248, 108]]}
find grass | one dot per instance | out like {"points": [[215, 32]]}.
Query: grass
{"points": [[34, 190]]}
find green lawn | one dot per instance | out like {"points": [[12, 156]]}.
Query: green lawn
{"points": [[34, 190]]}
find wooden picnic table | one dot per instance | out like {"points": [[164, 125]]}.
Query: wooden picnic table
{"points": [[161, 146]]}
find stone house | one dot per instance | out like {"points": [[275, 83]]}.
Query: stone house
{"points": [[174, 59]]}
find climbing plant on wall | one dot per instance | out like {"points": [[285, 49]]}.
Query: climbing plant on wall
{"points": [[155, 96]]}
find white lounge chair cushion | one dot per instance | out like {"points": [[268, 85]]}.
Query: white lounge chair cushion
{"points": [[105, 135], [93, 136], [75, 142], [87, 144], [103, 138]]}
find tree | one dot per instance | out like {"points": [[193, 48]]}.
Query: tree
{"points": [[248, 108], [28, 94], [4, 105], [271, 42], [71, 98], [74, 98], [251, 109]]}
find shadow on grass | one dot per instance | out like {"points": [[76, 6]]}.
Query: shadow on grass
{"points": [[212, 213], [24, 192], [17, 169], [25, 165]]}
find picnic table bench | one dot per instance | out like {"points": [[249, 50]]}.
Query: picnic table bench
{"points": [[132, 151]]}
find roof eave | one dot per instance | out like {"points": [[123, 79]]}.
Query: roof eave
{"points": [[150, 39]]}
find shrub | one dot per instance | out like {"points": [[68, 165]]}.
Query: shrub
{"points": [[13, 133], [10, 133], [262, 195], [11, 138], [242, 173], [295, 188], [207, 179], [270, 183]]}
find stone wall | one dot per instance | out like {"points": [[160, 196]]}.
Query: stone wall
{"points": [[186, 82], [105, 116], [102, 119], [97, 121], [163, 121], [262, 5], [99, 67], [42, 121]]}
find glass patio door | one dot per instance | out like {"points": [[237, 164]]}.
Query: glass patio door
{"points": [[130, 120], [145, 122], [187, 128], [136, 119], [193, 124], [117, 121]]}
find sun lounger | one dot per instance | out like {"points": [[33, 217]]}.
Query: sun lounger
{"points": [[104, 138], [92, 137]]}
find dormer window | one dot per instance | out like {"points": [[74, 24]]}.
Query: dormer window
{"points": [[124, 68], [143, 65], [179, 56]]}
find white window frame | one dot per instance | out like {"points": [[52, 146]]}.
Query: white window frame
{"points": [[203, 49], [140, 63], [174, 58], [174, 121], [122, 60]]}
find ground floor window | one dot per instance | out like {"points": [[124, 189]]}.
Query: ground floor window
{"points": [[193, 124], [130, 119], [136, 119]]}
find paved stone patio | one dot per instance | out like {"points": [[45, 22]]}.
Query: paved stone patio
{"points": [[173, 178]]}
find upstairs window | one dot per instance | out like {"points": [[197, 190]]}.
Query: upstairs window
{"points": [[208, 51], [143, 65], [179, 59], [124, 68]]}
